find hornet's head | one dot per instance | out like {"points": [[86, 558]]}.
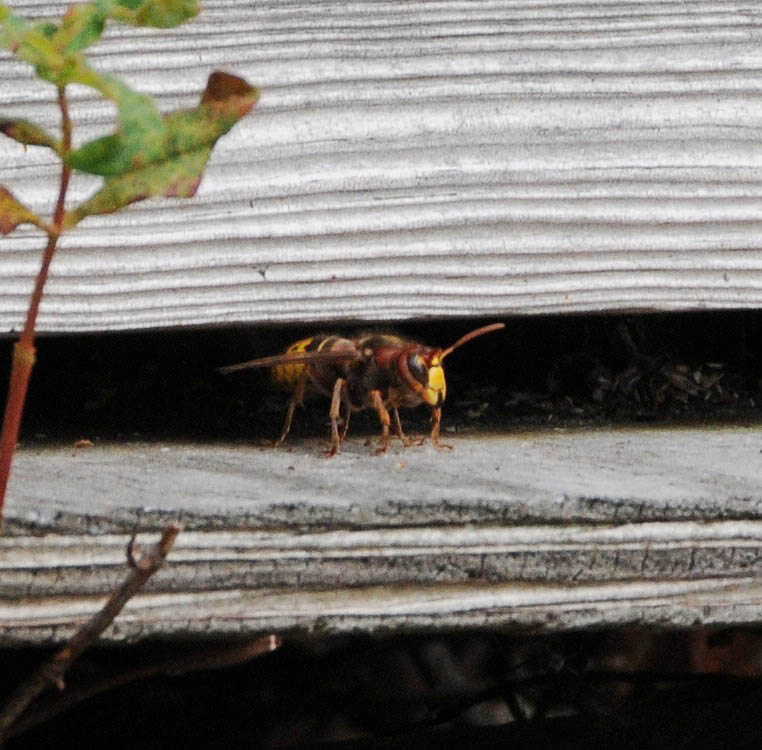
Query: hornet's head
{"points": [[421, 367]]}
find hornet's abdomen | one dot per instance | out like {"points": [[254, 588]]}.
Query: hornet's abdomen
{"points": [[287, 376]]}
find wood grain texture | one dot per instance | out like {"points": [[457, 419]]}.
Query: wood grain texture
{"points": [[546, 531], [413, 160]]}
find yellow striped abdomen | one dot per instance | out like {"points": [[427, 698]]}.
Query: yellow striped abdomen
{"points": [[288, 376]]}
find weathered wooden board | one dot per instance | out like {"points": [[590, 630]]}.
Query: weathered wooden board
{"points": [[546, 530], [414, 159]]}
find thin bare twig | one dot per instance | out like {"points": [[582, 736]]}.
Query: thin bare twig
{"points": [[215, 657], [142, 568]]}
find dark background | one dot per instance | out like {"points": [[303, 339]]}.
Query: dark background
{"points": [[538, 371]]}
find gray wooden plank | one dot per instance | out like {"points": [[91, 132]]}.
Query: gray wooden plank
{"points": [[417, 160], [360, 610], [558, 475], [547, 530]]}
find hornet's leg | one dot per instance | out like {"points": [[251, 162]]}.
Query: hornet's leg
{"points": [[400, 434], [346, 418], [383, 415], [436, 420], [335, 413], [296, 400]]}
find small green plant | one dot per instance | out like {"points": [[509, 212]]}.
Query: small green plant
{"points": [[149, 153]]}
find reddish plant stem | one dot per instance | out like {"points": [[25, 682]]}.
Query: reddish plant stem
{"points": [[24, 352], [52, 672]]}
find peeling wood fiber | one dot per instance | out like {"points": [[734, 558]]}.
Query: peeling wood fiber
{"points": [[412, 160]]}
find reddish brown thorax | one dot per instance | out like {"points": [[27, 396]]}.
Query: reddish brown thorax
{"points": [[384, 356]]}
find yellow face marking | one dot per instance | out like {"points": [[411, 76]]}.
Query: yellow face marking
{"points": [[435, 392]]}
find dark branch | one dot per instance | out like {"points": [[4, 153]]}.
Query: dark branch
{"points": [[219, 657], [52, 672]]}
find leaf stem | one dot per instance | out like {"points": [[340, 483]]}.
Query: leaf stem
{"points": [[24, 352]]}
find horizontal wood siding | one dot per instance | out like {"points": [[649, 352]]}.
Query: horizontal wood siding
{"points": [[548, 530], [420, 159]]}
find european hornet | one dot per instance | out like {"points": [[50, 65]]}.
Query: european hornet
{"points": [[372, 370]]}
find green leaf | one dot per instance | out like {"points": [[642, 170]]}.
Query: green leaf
{"points": [[225, 101], [137, 141], [164, 14], [175, 178], [82, 26], [55, 50], [28, 133], [31, 44], [161, 14], [48, 28], [13, 212], [172, 165]]}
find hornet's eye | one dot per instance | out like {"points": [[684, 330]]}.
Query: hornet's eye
{"points": [[418, 368]]}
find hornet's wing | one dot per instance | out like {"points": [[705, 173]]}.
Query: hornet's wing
{"points": [[291, 359]]}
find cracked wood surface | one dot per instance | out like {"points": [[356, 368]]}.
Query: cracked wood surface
{"points": [[414, 160], [544, 530]]}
